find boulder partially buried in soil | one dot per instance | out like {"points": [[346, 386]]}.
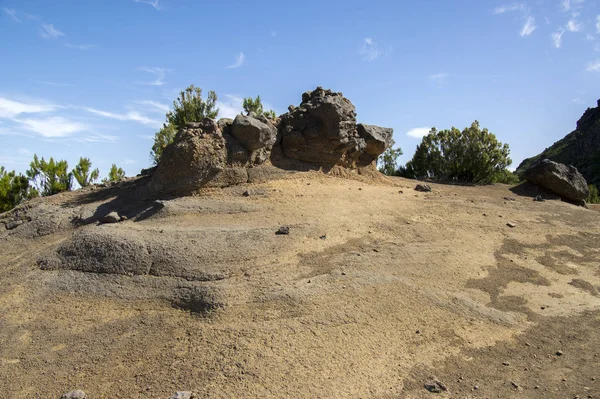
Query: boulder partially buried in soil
{"points": [[563, 180]]}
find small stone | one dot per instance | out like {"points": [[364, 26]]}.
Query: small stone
{"points": [[536, 387], [343, 273], [246, 193], [510, 199], [435, 386], [283, 230], [183, 395], [324, 236], [476, 387], [400, 192], [559, 353], [112, 217], [423, 188], [511, 224], [505, 363], [485, 214], [538, 198], [419, 332], [13, 224], [514, 385], [123, 218], [78, 394]]}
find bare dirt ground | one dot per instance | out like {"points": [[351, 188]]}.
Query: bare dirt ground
{"points": [[376, 290]]}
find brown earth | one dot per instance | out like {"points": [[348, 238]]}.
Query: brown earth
{"points": [[376, 289]]}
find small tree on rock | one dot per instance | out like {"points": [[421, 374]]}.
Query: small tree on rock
{"points": [[51, 177], [254, 105], [115, 174], [189, 107], [83, 173]]}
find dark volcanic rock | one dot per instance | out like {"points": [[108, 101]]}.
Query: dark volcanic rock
{"points": [[323, 130], [563, 180], [580, 148], [253, 133]]}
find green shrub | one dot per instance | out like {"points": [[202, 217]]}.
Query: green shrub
{"points": [[255, 106], [389, 160], [594, 197], [83, 173], [473, 156], [51, 177], [13, 189], [115, 174]]}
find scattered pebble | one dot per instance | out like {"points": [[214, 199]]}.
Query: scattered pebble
{"points": [[538, 198], [505, 363], [183, 395], [559, 353], [511, 224], [78, 394], [246, 193], [510, 199], [435, 386], [324, 236], [423, 188], [283, 230], [514, 385], [111, 217]]}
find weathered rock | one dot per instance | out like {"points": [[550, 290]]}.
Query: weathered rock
{"points": [[112, 217], [563, 180], [425, 188], [198, 154], [13, 224], [74, 395], [323, 130], [254, 133], [283, 230], [376, 138]]}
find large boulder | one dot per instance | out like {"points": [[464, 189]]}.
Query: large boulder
{"points": [[323, 130], [196, 156], [256, 134], [563, 180]]}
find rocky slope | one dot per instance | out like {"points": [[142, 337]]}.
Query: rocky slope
{"points": [[580, 148]]}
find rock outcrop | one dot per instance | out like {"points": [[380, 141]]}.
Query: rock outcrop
{"points": [[321, 131], [563, 180], [580, 148]]}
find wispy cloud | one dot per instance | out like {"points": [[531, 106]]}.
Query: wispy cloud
{"points": [[51, 127], [158, 72], [509, 8], [153, 3], [598, 23], [418, 132], [155, 105], [130, 162], [577, 100], [239, 61], [440, 77], [593, 66], [557, 37], [11, 108], [50, 32], [231, 107], [567, 5], [528, 27], [79, 46], [370, 51], [574, 26], [55, 84], [11, 12], [131, 116]]}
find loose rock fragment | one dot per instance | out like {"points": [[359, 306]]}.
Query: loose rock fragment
{"points": [[78, 394], [435, 386], [283, 230], [423, 188], [511, 224], [112, 217], [183, 395]]}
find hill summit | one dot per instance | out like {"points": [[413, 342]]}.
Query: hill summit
{"points": [[580, 148]]}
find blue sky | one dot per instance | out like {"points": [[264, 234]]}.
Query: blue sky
{"points": [[94, 78]]}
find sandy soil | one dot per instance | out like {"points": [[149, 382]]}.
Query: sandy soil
{"points": [[376, 290]]}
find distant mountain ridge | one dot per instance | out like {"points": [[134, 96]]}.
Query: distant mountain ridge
{"points": [[580, 148]]}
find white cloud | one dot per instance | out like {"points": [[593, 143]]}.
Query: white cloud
{"points": [[557, 37], [528, 27], [593, 66], [57, 84], [509, 8], [273, 33], [51, 127], [438, 76], [574, 26], [153, 3], [24, 151], [11, 108], [418, 132], [568, 4], [231, 107], [239, 61], [598, 23], [11, 12], [50, 32], [577, 100], [158, 72], [131, 116], [370, 50], [79, 46], [589, 37], [156, 105], [130, 162]]}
